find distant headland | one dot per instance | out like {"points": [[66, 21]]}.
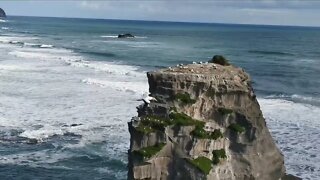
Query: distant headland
{"points": [[2, 13]]}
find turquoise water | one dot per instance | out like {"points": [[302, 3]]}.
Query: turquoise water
{"points": [[71, 85]]}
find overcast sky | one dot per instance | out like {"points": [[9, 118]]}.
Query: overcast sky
{"points": [[276, 12]]}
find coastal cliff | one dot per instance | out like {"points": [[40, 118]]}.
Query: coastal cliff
{"points": [[205, 124], [2, 13]]}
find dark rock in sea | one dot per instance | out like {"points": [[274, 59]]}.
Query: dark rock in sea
{"points": [[73, 125], [125, 36], [2, 13], [218, 59]]}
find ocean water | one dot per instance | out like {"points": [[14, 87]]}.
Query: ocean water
{"points": [[71, 86]]}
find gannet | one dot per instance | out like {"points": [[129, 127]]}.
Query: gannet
{"points": [[147, 99]]}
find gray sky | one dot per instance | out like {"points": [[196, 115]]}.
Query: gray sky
{"points": [[277, 12]]}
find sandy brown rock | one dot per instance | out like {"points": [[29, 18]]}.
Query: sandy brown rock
{"points": [[223, 97]]}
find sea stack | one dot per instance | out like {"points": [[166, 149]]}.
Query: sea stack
{"points": [[206, 124], [2, 13]]}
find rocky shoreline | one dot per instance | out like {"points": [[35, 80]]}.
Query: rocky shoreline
{"points": [[206, 124]]}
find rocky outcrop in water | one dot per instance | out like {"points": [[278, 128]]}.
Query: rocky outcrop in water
{"points": [[125, 36], [2, 13], [206, 124]]}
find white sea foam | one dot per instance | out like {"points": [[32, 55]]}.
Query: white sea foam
{"points": [[5, 28], [44, 54], [2, 20], [30, 44], [13, 67], [110, 68], [298, 98], [135, 87], [290, 112], [109, 36], [295, 127], [42, 133], [46, 46]]}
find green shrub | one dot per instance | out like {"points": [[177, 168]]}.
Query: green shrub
{"points": [[202, 163], [184, 98], [200, 133], [217, 155], [216, 134], [150, 151], [182, 119], [237, 128], [218, 59]]}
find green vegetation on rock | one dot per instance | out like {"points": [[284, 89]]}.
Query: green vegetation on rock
{"points": [[225, 111], [200, 133], [237, 128], [216, 134], [218, 59], [150, 151], [184, 98], [202, 163], [150, 124], [217, 155], [181, 119]]}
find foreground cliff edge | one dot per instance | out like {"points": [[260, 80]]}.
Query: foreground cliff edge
{"points": [[206, 124]]}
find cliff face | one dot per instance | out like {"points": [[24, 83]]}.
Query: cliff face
{"points": [[206, 124], [2, 13]]}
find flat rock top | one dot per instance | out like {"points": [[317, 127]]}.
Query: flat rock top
{"points": [[208, 71]]}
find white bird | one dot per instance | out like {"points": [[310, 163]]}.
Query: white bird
{"points": [[147, 100]]}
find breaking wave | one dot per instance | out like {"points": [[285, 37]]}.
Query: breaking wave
{"points": [[296, 98]]}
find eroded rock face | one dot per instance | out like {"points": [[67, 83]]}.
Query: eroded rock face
{"points": [[209, 125]]}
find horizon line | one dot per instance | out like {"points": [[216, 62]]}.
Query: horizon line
{"points": [[169, 21]]}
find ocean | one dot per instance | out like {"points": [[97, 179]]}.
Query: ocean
{"points": [[68, 87]]}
